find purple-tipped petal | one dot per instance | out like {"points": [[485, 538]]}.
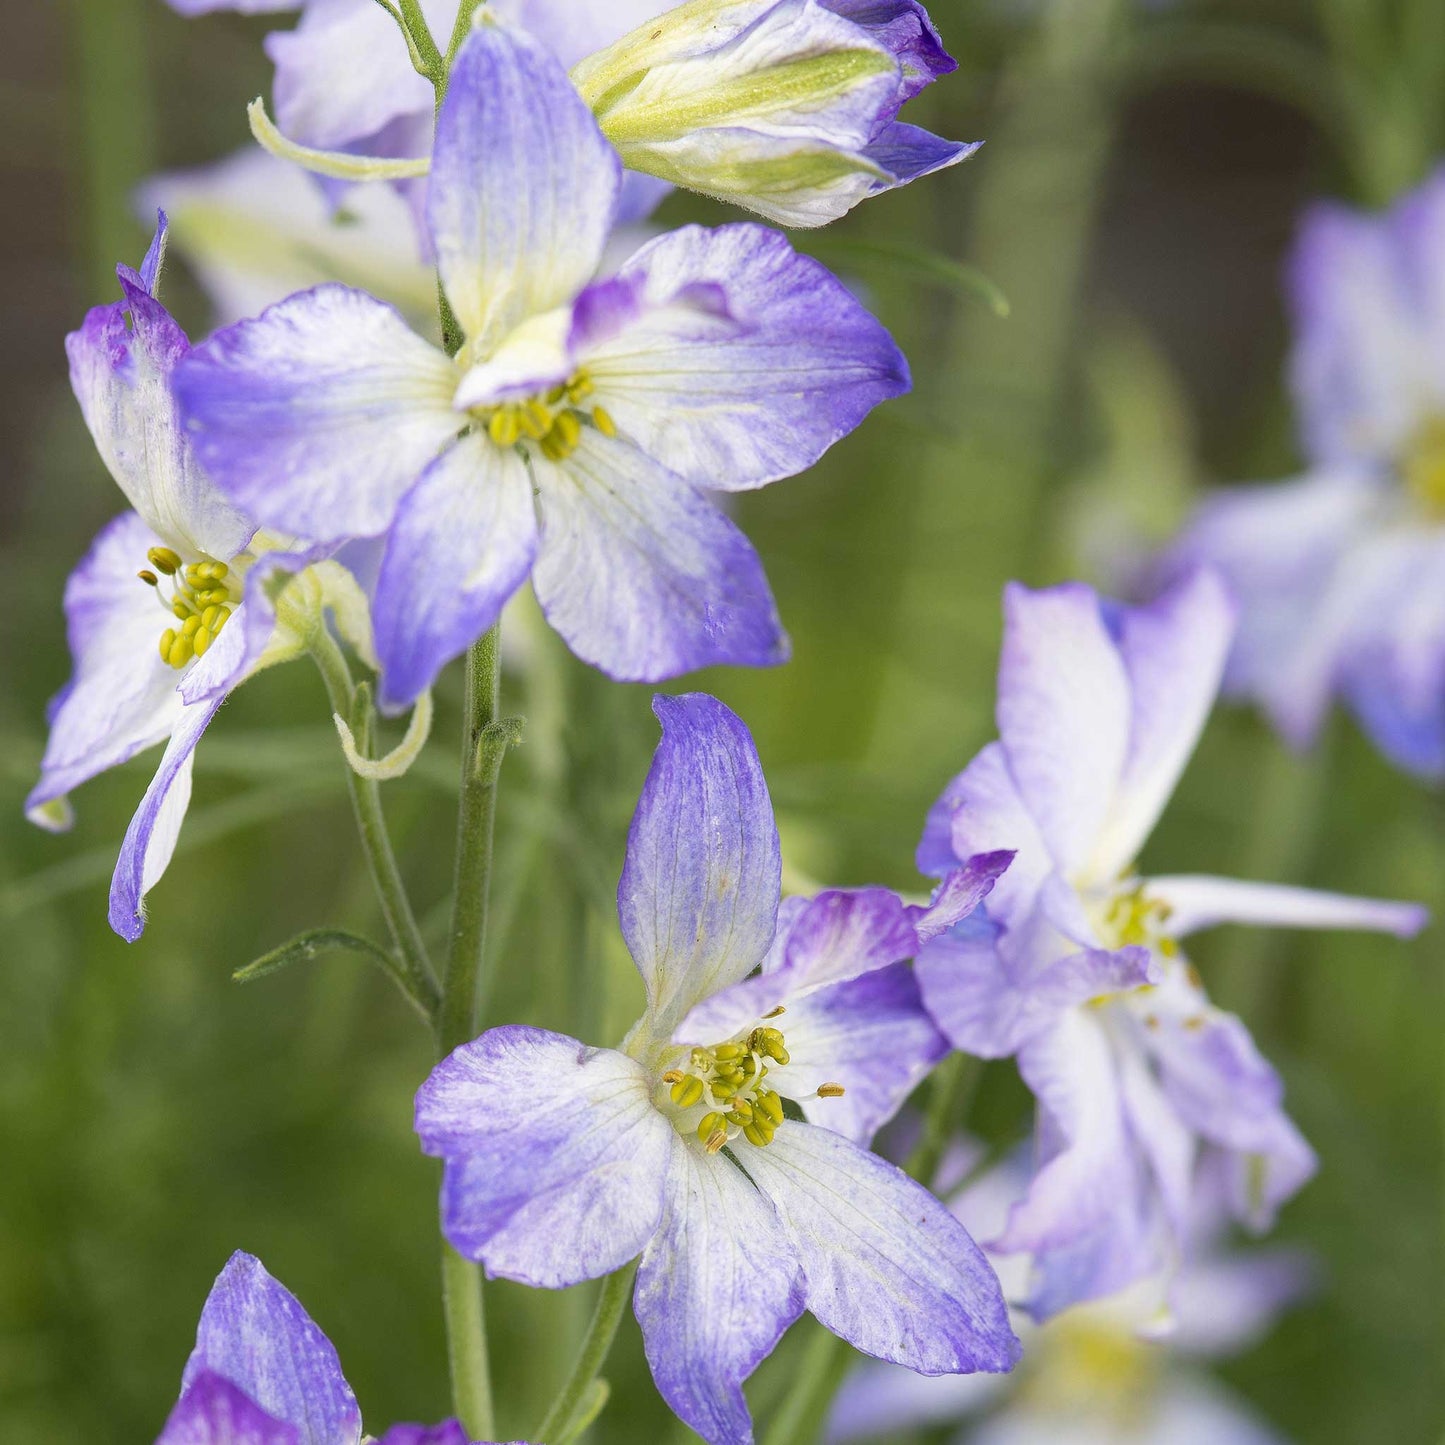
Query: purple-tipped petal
{"points": [[887, 1266], [121, 363], [961, 893], [1088, 1170], [523, 186], [1174, 652], [641, 575], [462, 543], [319, 415], [121, 697], [741, 361], [212, 1411], [873, 1036], [255, 1333], [1063, 715], [987, 1006], [908, 152], [151, 838], [716, 1288], [698, 898], [555, 1155], [449, 1432], [904, 28], [1196, 902]]}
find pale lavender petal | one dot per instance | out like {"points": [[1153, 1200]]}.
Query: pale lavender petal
{"points": [[1164, 1136], [462, 543], [935, 855], [698, 898], [151, 838], [1196, 901], [255, 1333], [121, 697], [742, 361], [1174, 652], [214, 1412], [1063, 715], [876, 1401], [716, 1288], [1225, 1305], [121, 363], [887, 1266], [838, 935], [571, 31], [960, 894], [987, 1007], [1087, 1170], [641, 575], [319, 415], [873, 1036], [343, 74], [982, 811], [1358, 368], [523, 186], [555, 1155]]}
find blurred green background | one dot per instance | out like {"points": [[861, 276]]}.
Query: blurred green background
{"points": [[1144, 169]]}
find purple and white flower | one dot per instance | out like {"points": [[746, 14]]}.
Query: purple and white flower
{"points": [[564, 1162], [1341, 573], [177, 601], [1078, 969], [576, 432], [264, 1373], [1111, 1373], [787, 107]]}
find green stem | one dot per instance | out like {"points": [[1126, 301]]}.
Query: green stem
{"points": [[819, 1374], [391, 892], [419, 33], [467, 1343], [559, 1425], [954, 1081], [484, 744]]}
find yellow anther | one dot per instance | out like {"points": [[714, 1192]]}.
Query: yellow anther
{"points": [[579, 387], [209, 616], [567, 428], [830, 1091], [716, 1140], [556, 394], [180, 653], [539, 415], [148, 577], [725, 1052], [552, 448], [687, 1091], [220, 571], [673, 1076], [777, 1012], [709, 1125], [772, 1106], [190, 626], [221, 621], [723, 1092], [168, 638], [180, 609], [756, 1134], [164, 560], [201, 641], [504, 427], [741, 1112], [602, 420]]}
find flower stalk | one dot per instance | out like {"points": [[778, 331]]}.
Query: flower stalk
{"points": [[566, 1419]]}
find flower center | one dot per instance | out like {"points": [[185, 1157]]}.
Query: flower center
{"points": [[553, 420], [1424, 467], [727, 1082], [201, 600], [1129, 918]]}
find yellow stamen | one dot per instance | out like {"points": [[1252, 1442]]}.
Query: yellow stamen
{"points": [[148, 577], [687, 1091], [830, 1091], [164, 560]]}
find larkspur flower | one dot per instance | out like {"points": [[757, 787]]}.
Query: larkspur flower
{"points": [[177, 601], [564, 1162], [1109, 1373], [1341, 573], [264, 1373], [787, 107], [574, 434], [1078, 968]]}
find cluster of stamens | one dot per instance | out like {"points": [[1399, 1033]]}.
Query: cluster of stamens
{"points": [[1131, 918], [728, 1079], [553, 421], [201, 601], [1424, 467]]}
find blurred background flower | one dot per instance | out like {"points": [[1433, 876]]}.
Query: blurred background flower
{"points": [[1143, 178]]}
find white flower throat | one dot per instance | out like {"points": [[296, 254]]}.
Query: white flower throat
{"points": [[727, 1080], [202, 598], [553, 420]]}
